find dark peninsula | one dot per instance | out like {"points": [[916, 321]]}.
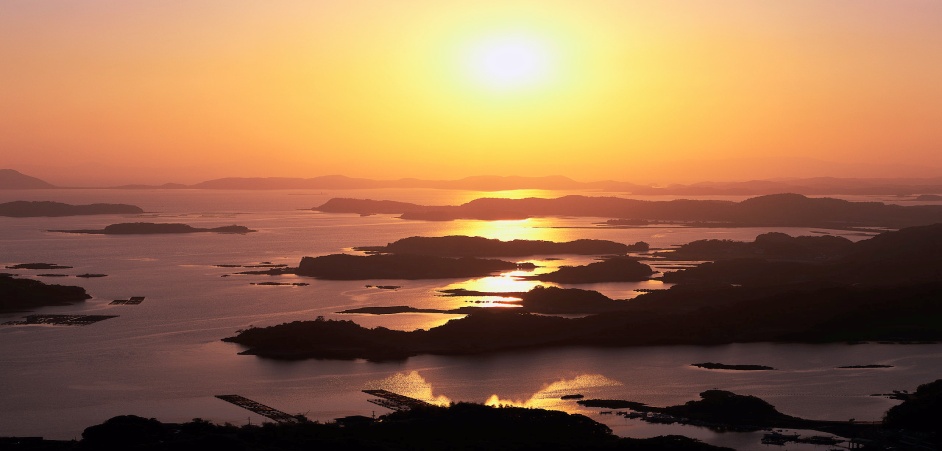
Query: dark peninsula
{"points": [[910, 425], [26, 294], [29, 209], [150, 228], [475, 246], [777, 210]]}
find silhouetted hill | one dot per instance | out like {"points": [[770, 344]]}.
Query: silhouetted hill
{"points": [[922, 411], [765, 211], [468, 246], [27, 209], [11, 179]]}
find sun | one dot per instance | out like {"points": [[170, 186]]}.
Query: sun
{"points": [[510, 62]]}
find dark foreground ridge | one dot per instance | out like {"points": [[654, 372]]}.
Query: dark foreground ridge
{"points": [[462, 426], [27, 294], [777, 210], [475, 246], [29, 209], [887, 288], [150, 228]]}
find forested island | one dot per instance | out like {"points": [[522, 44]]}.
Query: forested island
{"points": [[394, 266], [29, 209], [776, 210], [150, 228], [26, 294]]}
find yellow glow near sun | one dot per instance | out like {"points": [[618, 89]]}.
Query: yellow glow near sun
{"points": [[511, 61]]}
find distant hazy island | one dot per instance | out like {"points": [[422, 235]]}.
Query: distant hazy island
{"points": [[28, 209], [778, 210], [885, 289], [26, 294], [475, 246], [11, 179], [150, 228]]}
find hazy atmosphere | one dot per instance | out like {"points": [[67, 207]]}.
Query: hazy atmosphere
{"points": [[113, 92], [482, 225]]}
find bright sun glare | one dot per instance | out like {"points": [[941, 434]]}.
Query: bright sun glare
{"points": [[510, 62]]}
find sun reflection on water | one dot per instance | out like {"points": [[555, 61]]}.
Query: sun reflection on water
{"points": [[507, 230], [549, 397], [410, 384]]}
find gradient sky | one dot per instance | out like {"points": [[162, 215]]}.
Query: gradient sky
{"points": [[148, 91]]}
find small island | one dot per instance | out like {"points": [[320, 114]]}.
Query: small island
{"points": [[723, 366], [870, 366], [26, 294], [31, 209], [150, 228]]}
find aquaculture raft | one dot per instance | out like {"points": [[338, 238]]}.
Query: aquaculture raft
{"points": [[133, 301], [394, 401], [259, 408], [61, 320]]}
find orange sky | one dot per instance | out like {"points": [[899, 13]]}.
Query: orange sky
{"points": [[119, 91]]}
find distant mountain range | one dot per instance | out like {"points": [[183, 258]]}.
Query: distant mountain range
{"points": [[11, 179]]}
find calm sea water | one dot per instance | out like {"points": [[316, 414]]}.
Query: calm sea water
{"points": [[163, 358]]}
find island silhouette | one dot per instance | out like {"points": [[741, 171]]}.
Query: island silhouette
{"points": [[150, 228], [884, 289], [29, 209], [777, 210]]}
